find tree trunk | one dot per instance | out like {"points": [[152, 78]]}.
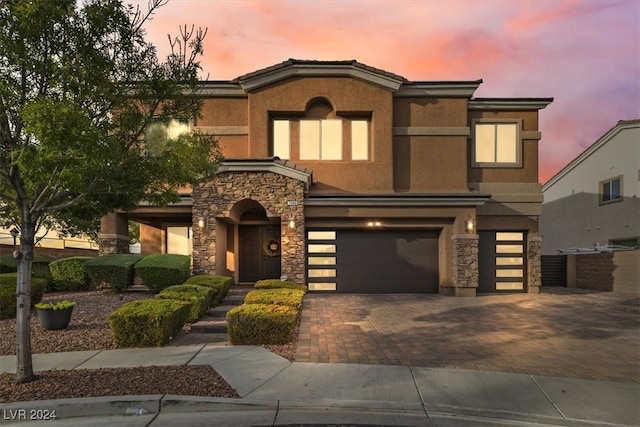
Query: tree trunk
{"points": [[24, 259]]}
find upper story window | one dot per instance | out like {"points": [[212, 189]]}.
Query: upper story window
{"points": [[321, 139], [611, 190], [320, 135], [157, 135], [497, 144]]}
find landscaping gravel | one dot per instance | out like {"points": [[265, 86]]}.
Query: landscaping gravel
{"points": [[89, 330]]}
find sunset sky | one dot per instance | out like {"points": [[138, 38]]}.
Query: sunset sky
{"points": [[583, 53]]}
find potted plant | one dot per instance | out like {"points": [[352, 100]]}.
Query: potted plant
{"points": [[55, 315]]}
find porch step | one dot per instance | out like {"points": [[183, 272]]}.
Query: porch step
{"points": [[210, 326], [220, 311], [215, 320], [233, 300]]}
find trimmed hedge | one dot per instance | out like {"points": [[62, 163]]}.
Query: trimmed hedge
{"points": [[148, 323], [7, 264], [69, 274], [159, 271], [115, 270], [198, 296], [278, 284], [39, 266], [220, 285], [289, 297], [257, 324], [8, 293]]}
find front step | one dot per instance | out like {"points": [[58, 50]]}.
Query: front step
{"points": [[220, 311], [215, 321], [210, 326], [233, 300]]}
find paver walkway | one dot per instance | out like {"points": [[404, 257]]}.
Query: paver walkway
{"points": [[561, 332]]}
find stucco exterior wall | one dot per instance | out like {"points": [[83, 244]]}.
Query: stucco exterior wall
{"points": [[347, 97]]}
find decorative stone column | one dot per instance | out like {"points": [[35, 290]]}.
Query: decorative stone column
{"points": [[204, 212], [293, 250], [465, 264], [534, 269], [114, 234]]}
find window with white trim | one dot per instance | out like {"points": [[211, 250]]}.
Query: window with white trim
{"points": [[496, 144], [611, 190]]}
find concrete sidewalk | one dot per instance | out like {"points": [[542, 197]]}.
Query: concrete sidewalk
{"points": [[275, 391]]}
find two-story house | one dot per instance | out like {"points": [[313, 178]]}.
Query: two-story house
{"points": [[349, 178], [595, 199]]}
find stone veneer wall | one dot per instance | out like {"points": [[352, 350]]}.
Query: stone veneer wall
{"points": [[534, 267], [113, 244], [216, 199], [465, 263]]}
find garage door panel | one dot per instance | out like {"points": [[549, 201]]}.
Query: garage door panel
{"points": [[387, 261]]}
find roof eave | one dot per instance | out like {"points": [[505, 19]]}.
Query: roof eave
{"points": [[512, 104], [267, 77]]}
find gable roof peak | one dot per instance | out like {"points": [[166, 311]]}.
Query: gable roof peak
{"points": [[312, 68]]}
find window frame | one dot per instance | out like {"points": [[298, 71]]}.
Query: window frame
{"points": [[610, 181], [274, 141], [497, 122]]}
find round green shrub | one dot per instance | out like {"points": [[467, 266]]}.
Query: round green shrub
{"points": [[8, 293], [69, 274]]}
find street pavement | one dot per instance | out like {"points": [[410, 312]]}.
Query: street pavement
{"points": [[276, 392]]}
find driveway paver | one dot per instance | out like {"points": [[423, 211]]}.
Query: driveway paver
{"points": [[561, 332]]}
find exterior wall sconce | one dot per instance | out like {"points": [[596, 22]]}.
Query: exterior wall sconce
{"points": [[202, 223], [469, 225], [292, 225]]}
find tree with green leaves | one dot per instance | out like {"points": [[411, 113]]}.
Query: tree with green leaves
{"points": [[79, 90]]}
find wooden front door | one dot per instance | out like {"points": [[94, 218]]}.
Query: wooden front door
{"points": [[257, 262]]}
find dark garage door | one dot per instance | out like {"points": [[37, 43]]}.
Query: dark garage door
{"points": [[387, 261]]}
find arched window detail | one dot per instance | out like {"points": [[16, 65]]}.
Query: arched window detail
{"points": [[319, 133]]}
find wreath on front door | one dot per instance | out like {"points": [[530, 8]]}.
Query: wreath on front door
{"points": [[271, 246]]}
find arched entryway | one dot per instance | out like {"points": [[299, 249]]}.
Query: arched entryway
{"points": [[259, 242], [253, 201]]}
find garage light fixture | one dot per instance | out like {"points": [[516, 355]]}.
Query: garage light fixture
{"points": [[202, 223], [292, 224], [469, 225]]}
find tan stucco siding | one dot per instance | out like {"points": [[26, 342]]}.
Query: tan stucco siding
{"points": [[348, 97], [430, 112]]}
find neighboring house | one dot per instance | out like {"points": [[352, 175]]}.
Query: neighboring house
{"points": [[349, 178], [595, 200]]}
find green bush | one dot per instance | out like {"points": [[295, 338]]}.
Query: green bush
{"points": [[278, 284], [283, 296], [257, 324], [69, 274], [219, 284], [115, 271], [198, 296], [162, 270], [7, 263], [39, 268], [8, 293], [148, 323]]}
